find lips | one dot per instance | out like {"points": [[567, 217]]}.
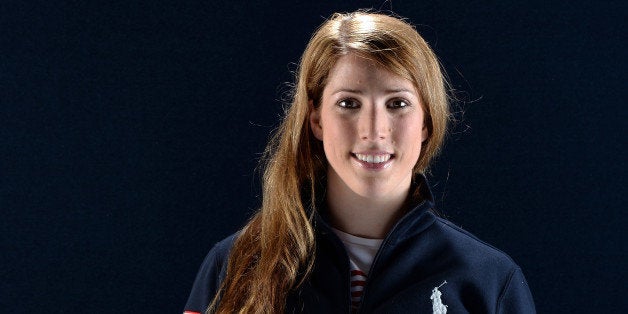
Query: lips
{"points": [[373, 159]]}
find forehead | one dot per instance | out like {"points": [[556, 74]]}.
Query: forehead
{"points": [[353, 71]]}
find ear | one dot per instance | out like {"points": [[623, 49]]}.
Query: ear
{"points": [[315, 121], [424, 133]]}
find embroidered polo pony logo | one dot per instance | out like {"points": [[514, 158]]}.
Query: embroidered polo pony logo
{"points": [[437, 304]]}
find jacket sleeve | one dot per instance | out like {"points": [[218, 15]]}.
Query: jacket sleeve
{"points": [[516, 296], [209, 277]]}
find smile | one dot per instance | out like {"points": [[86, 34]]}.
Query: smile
{"points": [[373, 159]]}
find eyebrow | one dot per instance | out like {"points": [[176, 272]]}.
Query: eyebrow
{"points": [[388, 91], [399, 90], [347, 90]]}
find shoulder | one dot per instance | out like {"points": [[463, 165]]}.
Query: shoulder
{"points": [[485, 272], [210, 276], [466, 247], [220, 252], [217, 258]]}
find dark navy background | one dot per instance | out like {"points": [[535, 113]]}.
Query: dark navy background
{"points": [[130, 133]]}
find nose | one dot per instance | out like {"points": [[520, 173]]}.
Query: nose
{"points": [[374, 124]]}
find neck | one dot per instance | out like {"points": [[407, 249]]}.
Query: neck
{"points": [[364, 216]]}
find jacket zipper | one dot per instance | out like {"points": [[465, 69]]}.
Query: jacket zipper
{"points": [[376, 259]]}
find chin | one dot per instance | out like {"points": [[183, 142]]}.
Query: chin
{"points": [[371, 191]]}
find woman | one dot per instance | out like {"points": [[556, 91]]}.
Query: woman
{"points": [[346, 223]]}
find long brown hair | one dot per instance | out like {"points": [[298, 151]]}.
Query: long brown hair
{"points": [[273, 253]]}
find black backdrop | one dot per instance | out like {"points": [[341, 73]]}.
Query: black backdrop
{"points": [[130, 133]]}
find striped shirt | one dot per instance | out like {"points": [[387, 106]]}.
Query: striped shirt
{"points": [[361, 253], [358, 281]]}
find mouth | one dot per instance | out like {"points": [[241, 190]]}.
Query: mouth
{"points": [[376, 161], [373, 159]]}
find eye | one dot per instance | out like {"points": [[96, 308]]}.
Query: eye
{"points": [[349, 103], [398, 103]]}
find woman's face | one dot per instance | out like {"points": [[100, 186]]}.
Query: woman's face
{"points": [[371, 124]]}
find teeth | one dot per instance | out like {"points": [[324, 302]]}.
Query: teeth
{"points": [[374, 159]]}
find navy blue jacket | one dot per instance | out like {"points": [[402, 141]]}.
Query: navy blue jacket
{"points": [[421, 256]]}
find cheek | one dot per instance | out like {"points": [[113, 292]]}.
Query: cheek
{"points": [[337, 129], [338, 137], [408, 133], [335, 138]]}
